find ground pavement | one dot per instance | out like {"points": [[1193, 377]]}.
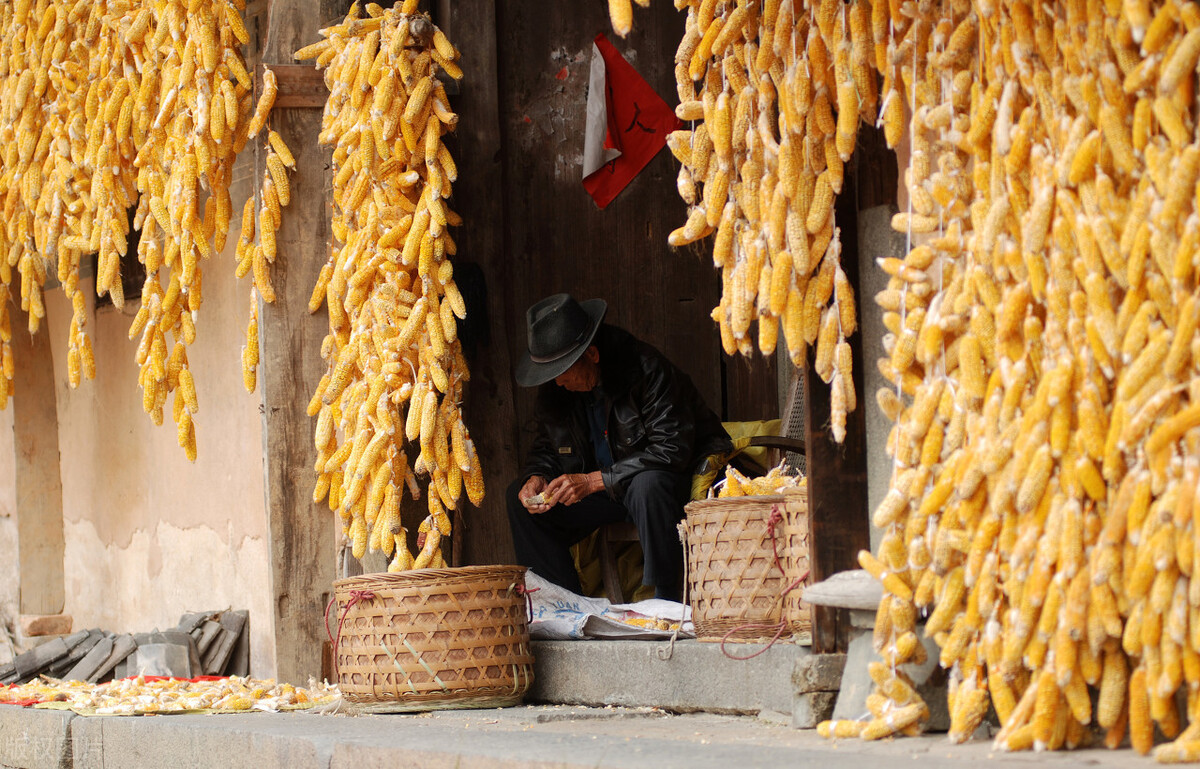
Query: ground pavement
{"points": [[531, 736]]}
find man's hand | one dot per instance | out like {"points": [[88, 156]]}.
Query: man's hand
{"points": [[533, 489], [569, 489]]}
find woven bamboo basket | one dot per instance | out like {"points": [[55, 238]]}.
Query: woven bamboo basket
{"points": [[737, 585], [433, 639]]}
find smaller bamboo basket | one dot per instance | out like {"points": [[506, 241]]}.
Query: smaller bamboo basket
{"points": [[736, 589], [433, 639]]}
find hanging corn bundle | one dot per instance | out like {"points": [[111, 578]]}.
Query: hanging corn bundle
{"points": [[1042, 348], [775, 118], [120, 116], [388, 409], [1043, 325]]}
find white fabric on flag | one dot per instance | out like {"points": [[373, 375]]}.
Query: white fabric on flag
{"points": [[595, 154]]}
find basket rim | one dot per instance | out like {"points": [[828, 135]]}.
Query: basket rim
{"points": [[416, 577], [718, 503]]}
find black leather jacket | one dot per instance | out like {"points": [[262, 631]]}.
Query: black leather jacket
{"points": [[655, 416]]}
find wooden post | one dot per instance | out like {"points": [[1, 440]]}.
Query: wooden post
{"points": [[303, 556], [38, 478], [837, 475]]}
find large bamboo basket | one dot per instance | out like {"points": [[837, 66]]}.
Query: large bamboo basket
{"points": [[433, 639], [736, 589]]}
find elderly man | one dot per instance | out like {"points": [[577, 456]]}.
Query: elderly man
{"points": [[620, 432]]}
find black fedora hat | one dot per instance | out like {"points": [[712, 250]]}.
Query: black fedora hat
{"points": [[560, 329]]}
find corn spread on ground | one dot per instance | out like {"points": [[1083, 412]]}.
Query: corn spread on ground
{"points": [[139, 695]]}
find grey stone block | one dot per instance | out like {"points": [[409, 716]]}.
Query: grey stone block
{"points": [[197, 742], [810, 709], [208, 633], [697, 677], [35, 739], [862, 619], [123, 646], [853, 589], [63, 666], [91, 662], [818, 673], [30, 663], [239, 661], [856, 682], [217, 656], [192, 620]]}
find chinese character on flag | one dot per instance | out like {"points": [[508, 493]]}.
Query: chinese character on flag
{"points": [[627, 124]]}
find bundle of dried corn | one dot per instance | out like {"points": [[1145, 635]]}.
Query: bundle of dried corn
{"points": [[1042, 344], [120, 116], [393, 303], [782, 92], [1044, 360]]}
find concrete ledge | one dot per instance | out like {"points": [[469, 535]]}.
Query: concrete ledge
{"points": [[37, 739], [252, 741], [697, 677], [541, 737]]}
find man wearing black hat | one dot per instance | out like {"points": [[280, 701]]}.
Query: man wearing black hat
{"points": [[620, 432]]}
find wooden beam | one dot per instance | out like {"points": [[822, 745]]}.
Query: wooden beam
{"points": [[301, 86], [837, 475], [303, 535], [38, 475]]}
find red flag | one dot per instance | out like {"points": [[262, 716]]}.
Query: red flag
{"points": [[634, 119]]}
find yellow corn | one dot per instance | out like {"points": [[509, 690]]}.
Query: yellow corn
{"points": [[265, 101], [279, 178], [621, 14]]}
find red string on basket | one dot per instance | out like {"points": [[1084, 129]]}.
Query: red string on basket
{"points": [[355, 597], [774, 520], [524, 591]]}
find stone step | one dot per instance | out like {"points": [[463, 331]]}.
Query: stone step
{"points": [[693, 676]]}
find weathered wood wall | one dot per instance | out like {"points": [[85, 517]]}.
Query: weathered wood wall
{"points": [[533, 230]]}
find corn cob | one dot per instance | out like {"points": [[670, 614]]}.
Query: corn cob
{"points": [[389, 279], [265, 101], [1069, 376]]}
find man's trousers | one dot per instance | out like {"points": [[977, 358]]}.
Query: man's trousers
{"points": [[653, 502]]}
